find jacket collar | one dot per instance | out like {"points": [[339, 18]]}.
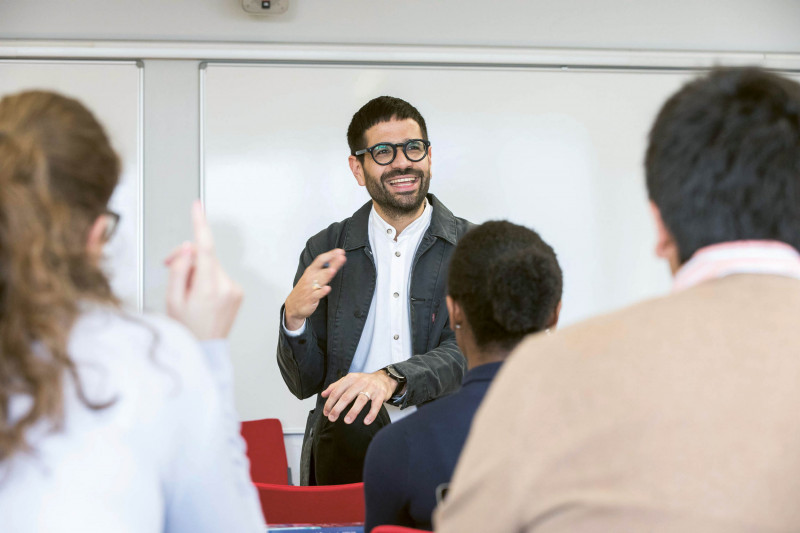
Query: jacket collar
{"points": [[443, 225]]}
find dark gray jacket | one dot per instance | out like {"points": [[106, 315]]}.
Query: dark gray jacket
{"points": [[323, 353]]}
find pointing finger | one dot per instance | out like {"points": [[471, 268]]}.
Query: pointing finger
{"points": [[203, 239]]}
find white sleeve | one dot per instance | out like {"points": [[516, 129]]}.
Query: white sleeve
{"points": [[207, 483], [292, 332]]}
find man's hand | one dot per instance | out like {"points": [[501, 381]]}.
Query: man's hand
{"points": [[312, 287], [376, 387], [200, 294]]}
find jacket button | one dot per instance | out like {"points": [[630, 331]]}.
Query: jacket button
{"points": [[357, 313], [340, 374]]}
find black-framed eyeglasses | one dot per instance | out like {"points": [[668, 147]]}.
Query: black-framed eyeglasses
{"points": [[112, 223], [384, 153]]}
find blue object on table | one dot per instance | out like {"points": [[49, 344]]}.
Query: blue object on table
{"points": [[317, 529]]}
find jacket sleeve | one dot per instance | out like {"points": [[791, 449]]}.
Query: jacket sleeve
{"points": [[301, 359], [435, 373]]}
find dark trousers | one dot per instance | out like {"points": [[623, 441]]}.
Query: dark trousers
{"points": [[338, 449]]}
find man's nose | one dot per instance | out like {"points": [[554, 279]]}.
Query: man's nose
{"points": [[400, 159]]}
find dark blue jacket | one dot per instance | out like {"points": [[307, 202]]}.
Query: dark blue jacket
{"points": [[409, 459], [323, 353]]}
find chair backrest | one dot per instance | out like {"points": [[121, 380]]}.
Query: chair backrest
{"points": [[397, 529], [266, 450], [331, 504]]}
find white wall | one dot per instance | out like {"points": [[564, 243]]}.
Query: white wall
{"points": [[731, 25]]}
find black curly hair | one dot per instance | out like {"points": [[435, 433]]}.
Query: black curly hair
{"points": [[507, 280]]}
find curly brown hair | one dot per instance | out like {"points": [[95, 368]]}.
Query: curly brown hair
{"points": [[57, 173]]}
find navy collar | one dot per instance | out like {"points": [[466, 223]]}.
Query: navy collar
{"points": [[443, 225], [485, 372]]}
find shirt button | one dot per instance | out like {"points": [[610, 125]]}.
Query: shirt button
{"points": [[396, 337], [397, 254], [389, 230], [396, 295]]}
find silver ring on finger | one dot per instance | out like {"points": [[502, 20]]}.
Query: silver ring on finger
{"points": [[365, 393], [316, 286]]}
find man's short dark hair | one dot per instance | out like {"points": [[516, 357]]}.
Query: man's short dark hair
{"points": [[381, 109], [723, 163]]}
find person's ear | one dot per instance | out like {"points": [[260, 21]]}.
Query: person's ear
{"points": [[357, 169], [96, 239], [553, 322], [666, 247], [456, 313]]}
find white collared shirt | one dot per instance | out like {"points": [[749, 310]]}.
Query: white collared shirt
{"points": [[386, 338], [738, 257]]}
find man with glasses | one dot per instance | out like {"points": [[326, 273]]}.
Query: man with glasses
{"points": [[366, 323]]}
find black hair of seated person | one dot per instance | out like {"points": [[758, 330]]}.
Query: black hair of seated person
{"points": [[723, 161], [507, 280]]}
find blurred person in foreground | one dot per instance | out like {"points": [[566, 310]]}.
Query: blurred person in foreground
{"points": [[504, 283], [678, 414], [111, 421]]}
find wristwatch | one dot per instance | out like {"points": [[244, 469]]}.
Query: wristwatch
{"points": [[401, 380]]}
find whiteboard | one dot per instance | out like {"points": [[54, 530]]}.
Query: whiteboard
{"points": [[113, 92], [558, 150]]}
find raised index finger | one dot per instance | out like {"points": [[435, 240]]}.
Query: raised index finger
{"points": [[202, 232], [203, 239]]}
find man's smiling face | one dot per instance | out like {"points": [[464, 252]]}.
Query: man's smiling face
{"points": [[398, 188]]}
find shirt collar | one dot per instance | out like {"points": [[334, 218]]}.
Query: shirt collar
{"points": [[738, 257], [417, 228], [444, 225]]}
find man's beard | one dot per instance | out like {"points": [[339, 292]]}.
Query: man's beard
{"points": [[398, 205]]}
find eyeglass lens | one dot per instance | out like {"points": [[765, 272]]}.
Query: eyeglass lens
{"points": [[112, 222], [414, 150]]}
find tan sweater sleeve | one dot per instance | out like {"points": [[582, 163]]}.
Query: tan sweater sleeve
{"points": [[486, 491]]}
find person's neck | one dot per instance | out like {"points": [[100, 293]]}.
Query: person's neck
{"points": [[482, 357], [401, 221]]}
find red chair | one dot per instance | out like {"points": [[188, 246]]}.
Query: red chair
{"points": [[331, 504], [397, 529], [266, 451]]}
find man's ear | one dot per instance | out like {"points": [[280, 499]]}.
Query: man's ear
{"points": [[95, 241], [455, 312], [666, 247], [553, 322], [357, 169]]}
